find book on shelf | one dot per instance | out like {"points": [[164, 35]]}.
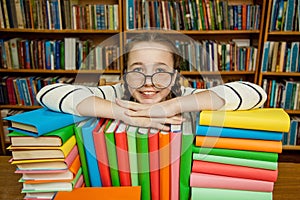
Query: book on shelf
{"points": [[42, 152], [54, 138], [41, 121]]}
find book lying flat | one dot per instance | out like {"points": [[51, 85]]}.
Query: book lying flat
{"points": [[236, 161], [47, 164], [54, 138], [247, 154], [111, 193], [268, 119], [41, 121], [239, 143], [234, 171], [52, 186], [237, 133], [202, 180], [225, 194], [24, 153]]}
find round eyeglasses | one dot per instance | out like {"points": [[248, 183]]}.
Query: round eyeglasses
{"points": [[160, 80]]}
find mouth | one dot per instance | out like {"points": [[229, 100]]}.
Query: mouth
{"points": [[148, 94]]}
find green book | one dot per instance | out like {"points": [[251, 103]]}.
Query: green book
{"points": [[185, 165], [254, 155], [109, 134], [54, 138], [132, 151], [236, 161], [225, 194], [143, 162], [81, 151]]}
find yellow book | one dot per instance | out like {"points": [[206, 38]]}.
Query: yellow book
{"points": [[268, 119], [27, 153]]}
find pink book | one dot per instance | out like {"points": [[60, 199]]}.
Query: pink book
{"points": [[122, 155], [101, 153], [225, 182], [234, 171], [175, 150]]}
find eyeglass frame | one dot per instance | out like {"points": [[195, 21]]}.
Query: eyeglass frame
{"points": [[150, 76]]}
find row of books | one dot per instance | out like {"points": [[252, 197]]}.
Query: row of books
{"points": [[192, 15], [282, 94], [66, 54], [58, 15], [280, 56], [285, 15], [216, 56], [293, 136], [235, 154]]}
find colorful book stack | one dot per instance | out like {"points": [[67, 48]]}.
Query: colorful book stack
{"points": [[117, 154], [235, 153], [45, 152]]}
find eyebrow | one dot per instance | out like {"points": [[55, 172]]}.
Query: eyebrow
{"points": [[156, 64]]}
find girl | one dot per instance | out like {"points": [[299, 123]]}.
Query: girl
{"points": [[151, 94]]}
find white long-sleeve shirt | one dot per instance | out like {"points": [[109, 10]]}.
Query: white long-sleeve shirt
{"points": [[61, 97]]}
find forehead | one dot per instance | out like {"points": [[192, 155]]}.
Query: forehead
{"points": [[151, 46]]}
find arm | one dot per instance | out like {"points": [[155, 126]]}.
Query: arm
{"points": [[231, 96]]}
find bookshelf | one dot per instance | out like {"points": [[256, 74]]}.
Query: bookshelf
{"points": [[279, 61], [198, 28], [85, 24]]}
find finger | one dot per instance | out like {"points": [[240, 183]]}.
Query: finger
{"points": [[131, 105]]}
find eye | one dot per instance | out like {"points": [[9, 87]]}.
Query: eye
{"points": [[137, 69], [160, 70]]}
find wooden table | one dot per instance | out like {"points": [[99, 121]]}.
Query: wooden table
{"points": [[287, 186]]}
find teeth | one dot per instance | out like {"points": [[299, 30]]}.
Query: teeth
{"points": [[149, 93]]}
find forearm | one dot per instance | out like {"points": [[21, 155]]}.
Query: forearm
{"points": [[98, 107], [206, 100]]}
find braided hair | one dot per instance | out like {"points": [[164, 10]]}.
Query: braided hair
{"points": [[161, 39]]}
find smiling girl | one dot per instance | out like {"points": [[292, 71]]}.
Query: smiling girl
{"points": [[150, 94]]}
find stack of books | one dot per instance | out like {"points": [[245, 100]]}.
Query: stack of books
{"points": [[117, 154], [45, 152], [235, 153]]}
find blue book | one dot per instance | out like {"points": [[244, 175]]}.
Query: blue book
{"points": [[264, 64], [237, 133], [294, 56], [292, 137], [290, 12], [90, 152], [41, 121], [130, 10]]}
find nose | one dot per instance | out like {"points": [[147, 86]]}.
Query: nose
{"points": [[148, 80]]}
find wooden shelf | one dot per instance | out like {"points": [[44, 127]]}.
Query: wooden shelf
{"points": [[284, 33], [21, 107], [290, 147], [42, 71], [79, 31], [280, 73], [200, 32]]}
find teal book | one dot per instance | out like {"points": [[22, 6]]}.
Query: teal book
{"points": [[90, 153], [41, 121], [143, 162], [109, 134]]}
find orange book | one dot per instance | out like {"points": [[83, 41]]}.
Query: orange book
{"points": [[238, 143], [91, 193], [164, 162]]}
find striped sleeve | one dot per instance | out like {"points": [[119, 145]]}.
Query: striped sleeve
{"points": [[240, 95], [65, 97]]}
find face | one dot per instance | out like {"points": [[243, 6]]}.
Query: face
{"points": [[149, 58]]}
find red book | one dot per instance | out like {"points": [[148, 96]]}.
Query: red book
{"points": [[154, 163], [122, 155], [234, 171], [101, 153]]}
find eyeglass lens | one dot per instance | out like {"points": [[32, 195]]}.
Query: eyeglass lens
{"points": [[159, 80]]}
